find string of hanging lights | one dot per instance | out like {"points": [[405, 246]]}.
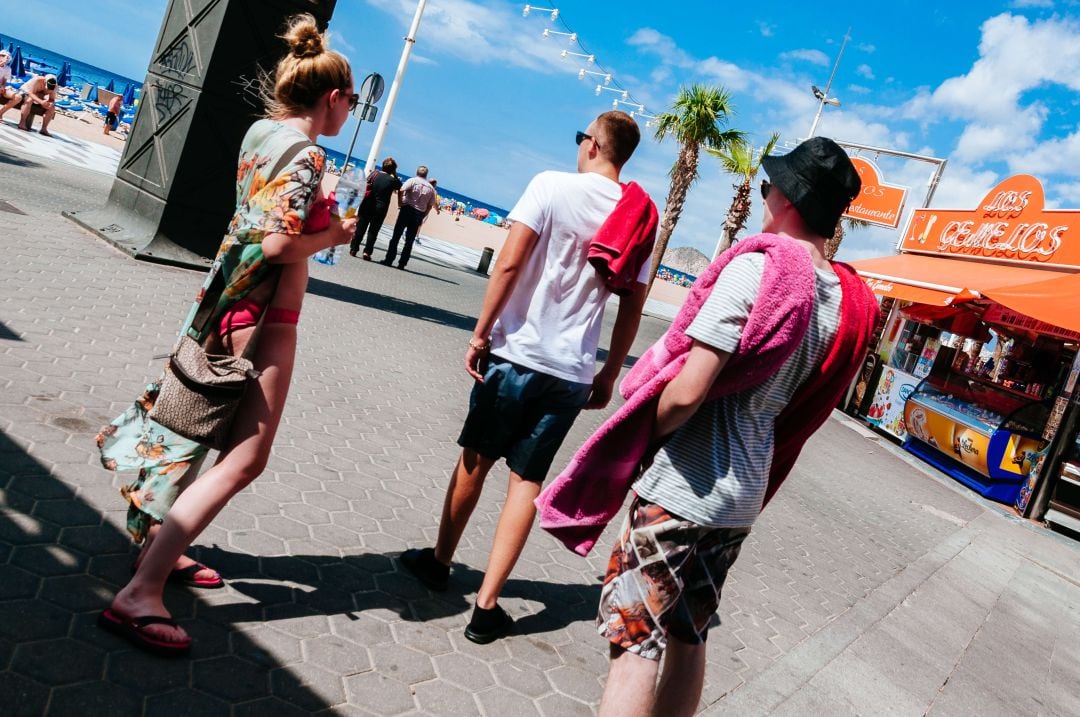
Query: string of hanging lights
{"points": [[609, 83]]}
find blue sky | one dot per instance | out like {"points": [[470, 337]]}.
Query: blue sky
{"points": [[487, 101]]}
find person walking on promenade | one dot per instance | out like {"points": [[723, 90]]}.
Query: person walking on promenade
{"points": [[415, 199], [717, 411], [263, 263], [533, 351], [381, 186]]}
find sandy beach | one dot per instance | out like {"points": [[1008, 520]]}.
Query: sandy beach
{"points": [[460, 230]]}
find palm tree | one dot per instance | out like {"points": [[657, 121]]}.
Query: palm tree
{"points": [[833, 245], [697, 119], [742, 160]]}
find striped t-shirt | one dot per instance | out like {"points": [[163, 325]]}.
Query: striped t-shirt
{"points": [[715, 467]]}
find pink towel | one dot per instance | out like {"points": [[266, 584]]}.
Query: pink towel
{"points": [[585, 497]]}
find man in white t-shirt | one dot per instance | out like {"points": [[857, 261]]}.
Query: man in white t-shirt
{"points": [[533, 356], [5, 74]]}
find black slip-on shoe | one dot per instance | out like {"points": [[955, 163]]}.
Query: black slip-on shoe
{"points": [[488, 625], [421, 562]]}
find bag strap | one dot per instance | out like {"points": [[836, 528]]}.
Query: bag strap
{"points": [[217, 284]]}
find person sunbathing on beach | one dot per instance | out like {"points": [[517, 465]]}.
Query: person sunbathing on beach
{"points": [[37, 96]]}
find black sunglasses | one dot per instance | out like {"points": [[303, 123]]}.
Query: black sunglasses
{"points": [[765, 188], [581, 137], [354, 100]]}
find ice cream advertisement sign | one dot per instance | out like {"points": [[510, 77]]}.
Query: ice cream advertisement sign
{"points": [[1010, 225], [878, 202]]}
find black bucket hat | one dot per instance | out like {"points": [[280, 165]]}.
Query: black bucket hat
{"points": [[818, 179]]}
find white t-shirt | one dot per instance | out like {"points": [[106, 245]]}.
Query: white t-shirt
{"points": [[552, 321], [5, 74]]}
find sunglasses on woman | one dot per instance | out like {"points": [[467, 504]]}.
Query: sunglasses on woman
{"points": [[353, 101], [766, 186]]}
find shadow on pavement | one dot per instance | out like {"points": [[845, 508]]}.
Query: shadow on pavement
{"points": [[382, 302], [328, 585], [7, 334], [60, 565], [17, 161]]}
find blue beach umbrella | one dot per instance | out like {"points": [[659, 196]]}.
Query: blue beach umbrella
{"points": [[17, 68], [111, 87], [129, 94]]}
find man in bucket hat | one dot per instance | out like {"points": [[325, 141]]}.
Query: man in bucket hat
{"points": [[791, 328]]}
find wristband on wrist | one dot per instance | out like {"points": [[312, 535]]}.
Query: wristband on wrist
{"points": [[479, 345]]}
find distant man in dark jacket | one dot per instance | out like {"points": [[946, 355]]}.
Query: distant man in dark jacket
{"points": [[381, 187]]}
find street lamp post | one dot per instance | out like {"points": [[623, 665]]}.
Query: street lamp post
{"points": [[410, 40], [823, 97]]}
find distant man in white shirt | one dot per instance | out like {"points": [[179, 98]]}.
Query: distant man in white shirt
{"points": [[415, 199], [533, 356]]}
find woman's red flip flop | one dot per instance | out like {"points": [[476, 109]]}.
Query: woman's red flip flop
{"points": [[186, 576], [133, 629]]}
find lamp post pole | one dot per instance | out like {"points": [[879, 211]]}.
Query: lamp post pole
{"points": [[825, 95], [410, 40]]}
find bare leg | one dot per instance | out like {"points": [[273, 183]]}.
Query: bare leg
{"points": [[181, 563], [49, 114], [510, 535], [682, 679], [461, 498], [256, 424], [25, 118], [631, 686]]}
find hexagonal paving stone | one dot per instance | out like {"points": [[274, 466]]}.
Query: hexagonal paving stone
{"points": [[379, 694], [231, 678], [442, 698], [91, 699], [17, 583], [402, 663], [521, 677], [337, 654], [297, 620], [22, 620], [503, 701], [266, 646], [70, 512], [563, 706], [361, 629], [466, 672], [78, 593], [144, 675], [535, 652], [186, 703], [308, 686], [268, 707], [421, 636], [28, 697], [49, 560]]}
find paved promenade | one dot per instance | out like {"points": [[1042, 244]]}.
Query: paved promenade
{"points": [[869, 586]]}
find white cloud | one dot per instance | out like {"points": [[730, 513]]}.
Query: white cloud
{"points": [[766, 29], [859, 89], [867, 48], [865, 70], [480, 33], [1055, 156], [338, 42], [816, 57], [1032, 3]]}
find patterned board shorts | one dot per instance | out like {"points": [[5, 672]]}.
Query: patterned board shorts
{"points": [[664, 579]]}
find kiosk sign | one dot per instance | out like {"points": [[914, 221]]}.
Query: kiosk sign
{"points": [[878, 202], [1010, 225]]}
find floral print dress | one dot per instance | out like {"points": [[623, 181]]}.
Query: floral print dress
{"points": [[167, 462]]}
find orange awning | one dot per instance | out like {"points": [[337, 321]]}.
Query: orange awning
{"points": [[1058, 297], [1043, 294]]}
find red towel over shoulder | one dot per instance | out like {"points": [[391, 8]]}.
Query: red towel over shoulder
{"points": [[625, 240]]}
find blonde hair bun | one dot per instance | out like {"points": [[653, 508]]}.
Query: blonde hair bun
{"points": [[304, 37]]}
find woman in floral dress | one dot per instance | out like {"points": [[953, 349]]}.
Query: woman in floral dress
{"points": [[263, 260]]}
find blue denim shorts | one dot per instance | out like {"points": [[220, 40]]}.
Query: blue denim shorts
{"points": [[521, 415]]}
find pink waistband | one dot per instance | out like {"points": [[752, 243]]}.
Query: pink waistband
{"points": [[245, 314]]}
